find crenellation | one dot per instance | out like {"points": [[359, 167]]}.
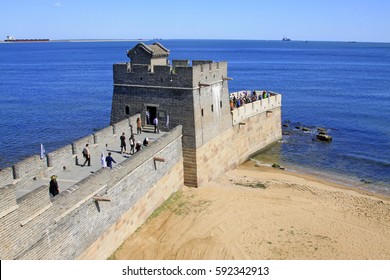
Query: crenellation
{"points": [[30, 169], [60, 159], [6, 176], [79, 145]]}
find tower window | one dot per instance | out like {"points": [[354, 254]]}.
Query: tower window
{"points": [[212, 108], [202, 112], [220, 104], [127, 110]]}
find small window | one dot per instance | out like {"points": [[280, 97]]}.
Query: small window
{"points": [[202, 112], [127, 110], [212, 108], [162, 80], [220, 104], [141, 78]]}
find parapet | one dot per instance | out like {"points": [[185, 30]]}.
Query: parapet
{"points": [[181, 74]]}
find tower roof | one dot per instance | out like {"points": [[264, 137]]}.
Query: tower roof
{"points": [[155, 50]]}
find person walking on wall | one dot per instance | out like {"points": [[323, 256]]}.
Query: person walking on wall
{"points": [[53, 186], [155, 122], [123, 143], [110, 160], [139, 126], [103, 160], [87, 155], [132, 144]]}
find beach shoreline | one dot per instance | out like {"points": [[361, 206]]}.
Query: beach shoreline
{"points": [[259, 212]]}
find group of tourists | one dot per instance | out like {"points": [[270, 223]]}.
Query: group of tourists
{"points": [[246, 97], [155, 123]]}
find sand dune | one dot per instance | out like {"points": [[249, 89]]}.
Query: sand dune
{"points": [[262, 213]]}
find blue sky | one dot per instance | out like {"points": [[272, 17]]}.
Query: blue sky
{"points": [[328, 20]]}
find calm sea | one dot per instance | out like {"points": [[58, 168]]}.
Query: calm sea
{"points": [[54, 93]]}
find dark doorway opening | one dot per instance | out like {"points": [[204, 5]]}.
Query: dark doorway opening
{"points": [[152, 113]]}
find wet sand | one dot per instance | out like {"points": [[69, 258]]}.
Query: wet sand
{"points": [[257, 212]]}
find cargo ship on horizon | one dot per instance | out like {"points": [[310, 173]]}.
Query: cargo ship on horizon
{"points": [[11, 39]]}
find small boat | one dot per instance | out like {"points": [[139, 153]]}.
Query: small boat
{"points": [[286, 39], [11, 39]]}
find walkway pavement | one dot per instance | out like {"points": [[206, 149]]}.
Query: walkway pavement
{"points": [[76, 173]]}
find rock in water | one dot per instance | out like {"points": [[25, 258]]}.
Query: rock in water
{"points": [[324, 137]]}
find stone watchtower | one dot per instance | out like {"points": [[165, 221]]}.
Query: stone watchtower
{"points": [[193, 94]]}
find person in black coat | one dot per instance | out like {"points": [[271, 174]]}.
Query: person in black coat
{"points": [[54, 189]]}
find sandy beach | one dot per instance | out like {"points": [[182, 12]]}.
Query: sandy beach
{"points": [[256, 212]]}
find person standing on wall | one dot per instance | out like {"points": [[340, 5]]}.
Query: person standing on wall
{"points": [[110, 160], [53, 186], [87, 155], [147, 117], [132, 144], [139, 126], [155, 122], [123, 143]]}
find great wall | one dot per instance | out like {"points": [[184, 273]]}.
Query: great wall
{"points": [[99, 208]]}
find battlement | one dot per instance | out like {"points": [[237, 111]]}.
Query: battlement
{"points": [[32, 222], [180, 74], [34, 170], [248, 110]]}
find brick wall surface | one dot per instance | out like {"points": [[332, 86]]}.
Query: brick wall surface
{"points": [[6, 176], [30, 168], [73, 222], [59, 159]]}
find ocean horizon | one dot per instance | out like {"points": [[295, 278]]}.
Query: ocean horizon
{"points": [[57, 93]]}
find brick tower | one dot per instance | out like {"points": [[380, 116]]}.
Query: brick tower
{"points": [[191, 93]]}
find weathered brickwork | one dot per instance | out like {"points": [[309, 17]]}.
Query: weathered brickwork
{"points": [[30, 168], [68, 225], [6, 176]]}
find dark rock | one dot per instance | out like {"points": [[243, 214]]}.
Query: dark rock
{"points": [[285, 125], [365, 181], [298, 127], [324, 137], [275, 165], [321, 129], [305, 129]]}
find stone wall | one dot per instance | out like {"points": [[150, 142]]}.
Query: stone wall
{"points": [[237, 144], [65, 158], [33, 227]]}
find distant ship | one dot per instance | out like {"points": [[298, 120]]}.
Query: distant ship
{"points": [[13, 40], [286, 39]]}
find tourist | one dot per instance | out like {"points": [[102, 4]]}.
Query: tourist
{"points": [[146, 141], [123, 143], [139, 126], [264, 94], [147, 117], [138, 146], [110, 160], [155, 122], [87, 155], [53, 186], [103, 160], [132, 144]]}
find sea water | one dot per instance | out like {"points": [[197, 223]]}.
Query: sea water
{"points": [[57, 92]]}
